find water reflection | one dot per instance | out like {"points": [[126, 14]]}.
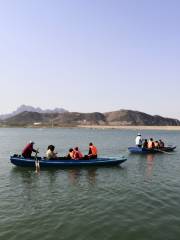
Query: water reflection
{"points": [[150, 163], [91, 175], [75, 175], [29, 179]]}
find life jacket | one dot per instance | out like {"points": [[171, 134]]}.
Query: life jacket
{"points": [[78, 155], [150, 144], [93, 150], [156, 144]]}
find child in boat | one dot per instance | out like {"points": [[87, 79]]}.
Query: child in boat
{"points": [[70, 154], [77, 154], [50, 154]]}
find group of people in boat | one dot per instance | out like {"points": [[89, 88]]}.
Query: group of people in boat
{"points": [[74, 153], [144, 143]]}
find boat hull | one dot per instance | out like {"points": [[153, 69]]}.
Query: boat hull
{"points": [[22, 162], [146, 150]]}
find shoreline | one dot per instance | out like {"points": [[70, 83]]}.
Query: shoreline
{"points": [[167, 128], [105, 127]]}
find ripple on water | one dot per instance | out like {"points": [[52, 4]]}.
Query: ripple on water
{"points": [[138, 201]]}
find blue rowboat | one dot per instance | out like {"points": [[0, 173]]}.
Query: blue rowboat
{"points": [[106, 161], [153, 150]]}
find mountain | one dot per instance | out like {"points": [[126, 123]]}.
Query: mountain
{"points": [[133, 118], [72, 119], [57, 119], [76, 118], [26, 108]]}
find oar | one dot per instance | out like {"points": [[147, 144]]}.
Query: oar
{"points": [[158, 150], [163, 151], [37, 162]]}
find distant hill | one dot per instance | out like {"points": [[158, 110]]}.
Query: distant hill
{"points": [[26, 108], [133, 118], [57, 119], [71, 119]]}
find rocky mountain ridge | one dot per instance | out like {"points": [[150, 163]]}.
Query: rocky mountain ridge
{"points": [[73, 119], [26, 108]]}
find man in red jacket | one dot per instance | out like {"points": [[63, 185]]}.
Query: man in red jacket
{"points": [[27, 151]]}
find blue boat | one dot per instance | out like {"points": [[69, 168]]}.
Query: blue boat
{"points": [[153, 150], [106, 161]]}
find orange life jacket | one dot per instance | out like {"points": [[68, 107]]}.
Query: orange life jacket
{"points": [[150, 144], [93, 150]]}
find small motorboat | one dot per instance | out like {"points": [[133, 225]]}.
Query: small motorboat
{"points": [[61, 162], [152, 150]]}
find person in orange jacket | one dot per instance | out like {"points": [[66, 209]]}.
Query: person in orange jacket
{"points": [[151, 143], [92, 151]]}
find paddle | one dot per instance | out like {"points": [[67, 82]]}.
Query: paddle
{"points": [[37, 162], [163, 151]]}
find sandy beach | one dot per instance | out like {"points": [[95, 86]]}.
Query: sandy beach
{"points": [[168, 128]]}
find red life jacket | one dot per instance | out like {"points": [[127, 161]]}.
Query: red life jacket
{"points": [[78, 155], [93, 150]]}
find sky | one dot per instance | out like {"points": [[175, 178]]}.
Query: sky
{"points": [[87, 56]]}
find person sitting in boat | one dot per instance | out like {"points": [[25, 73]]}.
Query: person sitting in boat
{"points": [[138, 140], [27, 151], [150, 143], [145, 143], [156, 144], [51, 154], [70, 154], [77, 153], [92, 151], [161, 143]]}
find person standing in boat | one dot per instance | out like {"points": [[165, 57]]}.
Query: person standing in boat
{"points": [[92, 151], [27, 151], [138, 140], [51, 154]]}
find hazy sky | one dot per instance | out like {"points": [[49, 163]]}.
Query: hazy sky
{"points": [[91, 55]]}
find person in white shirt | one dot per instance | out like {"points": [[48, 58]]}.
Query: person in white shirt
{"points": [[50, 154], [138, 140]]}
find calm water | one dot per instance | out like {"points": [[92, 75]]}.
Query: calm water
{"points": [[139, 200]]}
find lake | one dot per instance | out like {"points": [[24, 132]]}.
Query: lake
{"points": [[139, 200]]}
